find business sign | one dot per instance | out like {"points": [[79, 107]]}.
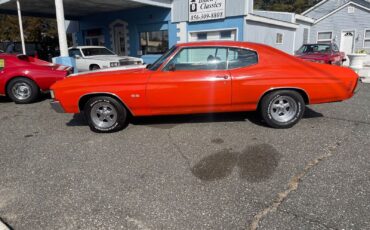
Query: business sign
{"points": [[202, 10]]}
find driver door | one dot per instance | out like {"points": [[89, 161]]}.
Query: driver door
{"points": [[194, 81]]}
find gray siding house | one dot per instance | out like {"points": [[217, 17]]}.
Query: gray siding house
{"points": [[282, 30], [345, 22]]}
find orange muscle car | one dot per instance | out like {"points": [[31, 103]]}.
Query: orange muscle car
{"points": [[206, 77]]}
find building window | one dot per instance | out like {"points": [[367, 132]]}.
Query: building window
{"points": [[351, 9], [155, 42], [367, 38], [225, 34], [202, 36], [324, 37], [94, 37], [279, 38]]}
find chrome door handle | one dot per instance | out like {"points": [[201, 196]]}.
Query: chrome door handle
{"points": [[224, 77]]}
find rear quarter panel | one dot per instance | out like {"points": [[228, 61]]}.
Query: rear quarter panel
{"points": [[42, 76], [322, 83]]}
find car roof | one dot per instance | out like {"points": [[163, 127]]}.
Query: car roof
{"points": [[251, 45]]}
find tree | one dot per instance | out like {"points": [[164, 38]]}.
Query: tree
{"points": [[296, 6], [34, 28]]}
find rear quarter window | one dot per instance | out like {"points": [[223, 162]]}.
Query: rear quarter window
{"points": [[2, 64], [238, 58]]}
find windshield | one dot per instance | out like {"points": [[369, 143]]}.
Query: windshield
{"points": [[162, 59], [96, 51], [315, 48]]}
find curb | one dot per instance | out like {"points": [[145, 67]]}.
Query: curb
{"points": [[365, 80], [3, 226]]}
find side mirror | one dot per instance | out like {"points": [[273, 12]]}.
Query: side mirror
{"points": [[172, 67], [149, 66], [77, 56]]}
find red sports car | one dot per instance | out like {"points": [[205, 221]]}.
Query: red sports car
{"points": [[321, 53], [22, 78], [206, 77]]}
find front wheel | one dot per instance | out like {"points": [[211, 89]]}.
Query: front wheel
{"points": [[282, 109], [105, 114]]}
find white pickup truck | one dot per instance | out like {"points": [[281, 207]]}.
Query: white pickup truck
{"points": [[90, 58]]}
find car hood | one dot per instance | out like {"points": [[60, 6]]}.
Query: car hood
{"points": [[112, 58], [122, 69], [98, 78]]}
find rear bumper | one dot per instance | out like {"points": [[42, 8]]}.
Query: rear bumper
{"points": [[57, 107]]}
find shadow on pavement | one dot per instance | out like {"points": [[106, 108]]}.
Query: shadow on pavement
{"points": [[168, 122], [42, 97], [309, 113], [4, 99]]}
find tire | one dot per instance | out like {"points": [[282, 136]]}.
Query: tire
{"points": [[94, 67], [105, 114], [282, 109], [22, 90]]}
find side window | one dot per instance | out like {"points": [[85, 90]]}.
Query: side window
{"points": [[200, 58], [74, 52], [2, 64], [241, 58]]}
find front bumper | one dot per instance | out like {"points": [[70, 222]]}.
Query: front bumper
{"points": [[56, 106]]}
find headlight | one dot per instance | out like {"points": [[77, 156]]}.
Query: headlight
{"points": [[114, 64], [52, 95]]}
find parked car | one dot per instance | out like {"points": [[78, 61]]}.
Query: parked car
{"points": [[22, 78], [322, 53], [98, 57], [206, 77]]}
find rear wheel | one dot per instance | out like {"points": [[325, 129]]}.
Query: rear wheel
{"points": [[282, 109], [105, 114], [22, 90]]}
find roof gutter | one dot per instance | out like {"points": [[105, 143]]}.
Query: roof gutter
{"points": [[256, 18], [154, 3], [304, 18]]}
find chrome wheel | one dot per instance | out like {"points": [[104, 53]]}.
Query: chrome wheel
{"points": [[103, 115], [21, 91], [283, 109]]}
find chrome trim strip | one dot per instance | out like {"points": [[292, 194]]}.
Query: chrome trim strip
{"points": [[277, 88], [112, 94]]}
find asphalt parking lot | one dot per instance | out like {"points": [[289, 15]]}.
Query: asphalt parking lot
{"points": [[224, 171]]}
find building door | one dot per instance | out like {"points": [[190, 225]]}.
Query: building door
{"points": [[120, 40], [347, 41]]}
